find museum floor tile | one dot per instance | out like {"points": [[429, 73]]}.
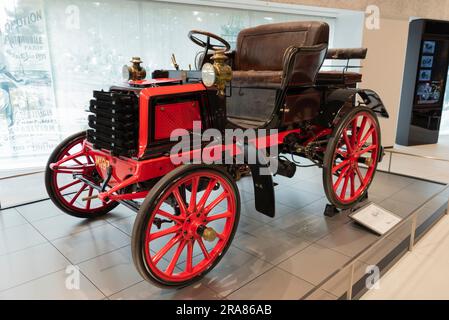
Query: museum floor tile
{"points": [[280, 258], [22, 189]]}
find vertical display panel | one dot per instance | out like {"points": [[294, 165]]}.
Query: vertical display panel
{"points": [[424, 83], [430, 84]]}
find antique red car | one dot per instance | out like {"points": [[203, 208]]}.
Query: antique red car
{"points": [[190, 211]]}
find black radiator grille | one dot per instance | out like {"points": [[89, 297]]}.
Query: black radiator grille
{"points": [[114, 122]]}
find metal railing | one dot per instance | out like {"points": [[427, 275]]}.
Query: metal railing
{"points": [[350, 266], [395, 151]]}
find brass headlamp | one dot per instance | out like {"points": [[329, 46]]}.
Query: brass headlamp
{"points": [[134, 72], [219, 73]]}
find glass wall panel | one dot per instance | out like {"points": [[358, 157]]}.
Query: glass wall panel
{"points": [[53, 53]]}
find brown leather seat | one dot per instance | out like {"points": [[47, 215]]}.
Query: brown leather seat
{"points": [[260, 53], [257, 79], [338, 77], [346, 53]]}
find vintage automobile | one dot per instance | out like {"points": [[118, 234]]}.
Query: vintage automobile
{"points": [[190, 212]]}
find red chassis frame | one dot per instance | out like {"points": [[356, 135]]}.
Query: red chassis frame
{"points": [[127, 171], [135, 175]]}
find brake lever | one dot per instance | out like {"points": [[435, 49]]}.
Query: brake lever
{"points": [[173, 61]]}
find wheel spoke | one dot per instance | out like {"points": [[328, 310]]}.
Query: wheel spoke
{"points": [[207, 193], [362, 128], [193, 192], [180, 202], [352, 184], [67, 153], [69, 185], [340, 166], [78, 194], [161, 253], [347, 143], [189, 260], [340, 178], [174, 260], [164, 232], [366, 150], [170, 216], [78, 162], [75, 160], [359, 174], [342, 153], [354, 132], [367, 135], [214, 203], [219, 216], [220, 236], [203, 248], [345, 187]]}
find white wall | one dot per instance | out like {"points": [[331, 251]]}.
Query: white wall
{"points": [[384, 68], [348, 32]]}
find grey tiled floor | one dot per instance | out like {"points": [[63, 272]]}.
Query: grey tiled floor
{"points": [[280, 258], [32, 188]]}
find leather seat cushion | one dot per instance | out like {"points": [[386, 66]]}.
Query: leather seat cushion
{"points": [[257, 79], [339, 77]]}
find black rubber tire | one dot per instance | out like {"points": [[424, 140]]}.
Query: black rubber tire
{"points": [[329, 157], [142, 218], [51, 187]]}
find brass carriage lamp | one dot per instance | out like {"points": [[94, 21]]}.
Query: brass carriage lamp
{"points": [[134, 72], [218, 73]]}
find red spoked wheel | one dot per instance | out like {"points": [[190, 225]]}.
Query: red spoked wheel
{"points": [[185, 225], [67, 192], [351, 157]]}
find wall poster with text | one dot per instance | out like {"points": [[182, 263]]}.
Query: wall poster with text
{"points": [[28, 126]]}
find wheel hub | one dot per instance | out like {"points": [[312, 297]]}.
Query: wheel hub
{"points": [[194, 226], [353, 158]]}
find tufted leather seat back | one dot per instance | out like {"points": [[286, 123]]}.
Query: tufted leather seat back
{"points": [[262, 48]]}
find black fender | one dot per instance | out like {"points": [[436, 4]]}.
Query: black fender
{"points": [[263, 183], [340, 101]]}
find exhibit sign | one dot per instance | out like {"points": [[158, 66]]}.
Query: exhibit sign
{"points": [[27, 104], [376, 218]]}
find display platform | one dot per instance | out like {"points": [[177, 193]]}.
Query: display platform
{"points": [[288, 257]]}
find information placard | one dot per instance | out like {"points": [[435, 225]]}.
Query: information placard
{"points": [[375, 218]]}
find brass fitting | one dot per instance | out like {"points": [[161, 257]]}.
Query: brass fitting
{"points": [[222, 70], [369, 161], [209, 234], [134, 72]]}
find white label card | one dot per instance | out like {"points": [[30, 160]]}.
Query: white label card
{"points": [[376, 218]]}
